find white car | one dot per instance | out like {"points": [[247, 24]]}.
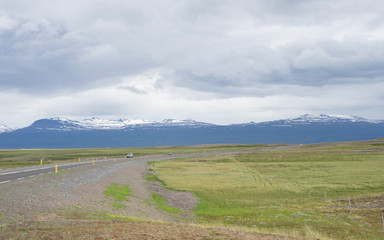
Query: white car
{"points": [[130, 155]]}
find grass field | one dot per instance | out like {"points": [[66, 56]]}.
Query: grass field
{"points": [[20, 158], [302, 192]]}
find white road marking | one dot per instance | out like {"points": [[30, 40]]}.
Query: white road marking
{"points": [[32, 176], [24, 171], [5, 182], [34, 169], [21, 178]]}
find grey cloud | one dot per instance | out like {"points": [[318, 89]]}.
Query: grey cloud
{"points": [[37, 59], [211, 46], [133, 89]]}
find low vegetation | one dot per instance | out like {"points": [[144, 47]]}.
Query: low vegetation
{"points": [[160, 201], [327, 191], [318, 191], [117, 194], [22, 158], [138, 229]]}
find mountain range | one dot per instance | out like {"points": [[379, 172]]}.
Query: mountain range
{"points": [[97, 133]]}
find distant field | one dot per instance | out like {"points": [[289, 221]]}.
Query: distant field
{"points": [[302, 191], [19, 158]]}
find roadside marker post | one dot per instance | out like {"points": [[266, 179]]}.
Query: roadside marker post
{"points": [[79, 159], [105, 158], [93, 163], [115, 160], [382, 220], [350, 205], [56, 168], [41, 161]]}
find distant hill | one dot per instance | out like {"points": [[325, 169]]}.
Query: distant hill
{"points": [[98, 133]]}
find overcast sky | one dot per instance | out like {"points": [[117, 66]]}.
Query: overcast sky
{"points": [[216, 61]]}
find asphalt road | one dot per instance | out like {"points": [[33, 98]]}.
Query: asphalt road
{"points": [[12, 174], [7, 175]]}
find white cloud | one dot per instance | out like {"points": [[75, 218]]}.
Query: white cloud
{"points": [[7, 23]]}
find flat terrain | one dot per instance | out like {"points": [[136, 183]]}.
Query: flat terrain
{"points": [[105, 201], [319, 191], [300, 192], [28, 157]]}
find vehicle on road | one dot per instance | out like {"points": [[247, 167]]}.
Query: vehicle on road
{"points": [[130, 155], [170, 153]]}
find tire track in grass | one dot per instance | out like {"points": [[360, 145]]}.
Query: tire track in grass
{"points": [[257, 177]]}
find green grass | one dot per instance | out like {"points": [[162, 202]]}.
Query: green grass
{"points": [[118, 194], [284, 191], [153, 162], [22, 158], [150, 177], [117, 205], [153, 178], [160, 201]]}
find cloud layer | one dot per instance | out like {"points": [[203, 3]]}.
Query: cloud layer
{"points": [[218, 61]]}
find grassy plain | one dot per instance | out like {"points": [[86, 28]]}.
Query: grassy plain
{"points": [[28, 157], [301, 191]]}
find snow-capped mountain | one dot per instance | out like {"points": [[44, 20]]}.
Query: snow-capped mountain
{"points": [[322, 118], [4, 128], [100, 133], [185, 122], [65, 124], [314, 119], [97, 123]]}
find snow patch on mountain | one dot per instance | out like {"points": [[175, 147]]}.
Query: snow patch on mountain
{"points": [[327, 118], [310, 119], [96, 123], [4, 128], [185, 122], [65, 124], [322, 118]]}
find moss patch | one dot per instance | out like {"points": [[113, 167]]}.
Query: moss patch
{"points": [[118, 194], [160, 201]]}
